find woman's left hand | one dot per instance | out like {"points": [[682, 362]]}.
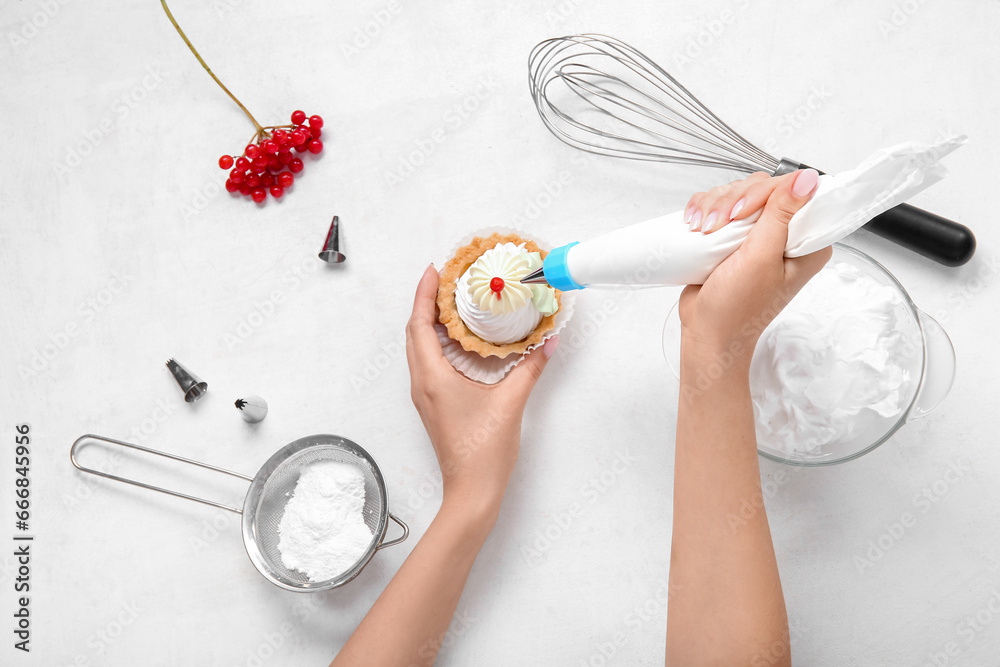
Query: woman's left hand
{"points": [[475, 428]]}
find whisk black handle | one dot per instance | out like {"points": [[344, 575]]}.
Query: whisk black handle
{"points": [[932, 236], [943, 240]]}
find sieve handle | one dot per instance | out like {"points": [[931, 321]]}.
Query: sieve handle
{"points": [[401, 538], [100, 438]]}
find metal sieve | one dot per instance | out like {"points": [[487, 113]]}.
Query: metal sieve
{"points": [[270, 489]]}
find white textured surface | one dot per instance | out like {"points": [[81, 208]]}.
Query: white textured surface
{"points": [[236, 293]]}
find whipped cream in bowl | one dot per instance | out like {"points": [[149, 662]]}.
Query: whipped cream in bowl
{"points": [[847, 363]]}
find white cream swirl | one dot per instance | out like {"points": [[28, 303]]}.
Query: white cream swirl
{"points": [[499, 321], [506, 294]]}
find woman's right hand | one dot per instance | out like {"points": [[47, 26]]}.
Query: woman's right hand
{"points": [[740, 298]]}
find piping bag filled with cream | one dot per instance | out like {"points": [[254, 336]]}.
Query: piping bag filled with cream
{"points": [[663, 251]]}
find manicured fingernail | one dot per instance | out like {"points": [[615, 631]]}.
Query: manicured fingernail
{"points": [[710, 222], [805, 182], [687, 214], [737, 208], [550, 347], [695, 221]]}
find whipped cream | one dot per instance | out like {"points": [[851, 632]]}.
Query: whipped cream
{"points": [[494, 280], [513, 315], [835, 365]]}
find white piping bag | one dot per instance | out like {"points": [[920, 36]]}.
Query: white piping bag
{"points": [[663, 251]]}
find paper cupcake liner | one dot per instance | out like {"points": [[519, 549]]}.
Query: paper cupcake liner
{"points": [[490, 370]]}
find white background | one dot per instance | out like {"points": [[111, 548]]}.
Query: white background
{"points": [[166, 582]]}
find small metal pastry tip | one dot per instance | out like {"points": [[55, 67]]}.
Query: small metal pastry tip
{"points": [[192, 385], [253, 409], [331, 248], [536, 277]]}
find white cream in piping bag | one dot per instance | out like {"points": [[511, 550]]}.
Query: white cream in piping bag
{"points": [[834, 364], [510, 314], [664, 251]]}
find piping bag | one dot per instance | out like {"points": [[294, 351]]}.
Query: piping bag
{"points": [[663, 251]]}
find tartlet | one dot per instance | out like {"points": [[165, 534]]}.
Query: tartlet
{"points": [[449, 316]]}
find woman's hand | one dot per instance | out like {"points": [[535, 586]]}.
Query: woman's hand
{"points": [[475, 428], [726, 605], [476, 431], [741, 297]]}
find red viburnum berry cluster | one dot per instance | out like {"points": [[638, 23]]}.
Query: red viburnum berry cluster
{"points": [[268, 165]]}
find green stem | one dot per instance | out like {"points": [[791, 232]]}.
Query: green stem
{"points": [[170, 16]]}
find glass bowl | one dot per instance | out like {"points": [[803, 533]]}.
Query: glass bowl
{"points": [[929, 358]]}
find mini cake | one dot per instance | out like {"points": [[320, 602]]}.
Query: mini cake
{"points": [[484, 306]]}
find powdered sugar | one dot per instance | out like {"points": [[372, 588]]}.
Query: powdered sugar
{"points": [[322, 532]]}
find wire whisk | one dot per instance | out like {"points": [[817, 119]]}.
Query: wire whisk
{"points": [[600, 95]]}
